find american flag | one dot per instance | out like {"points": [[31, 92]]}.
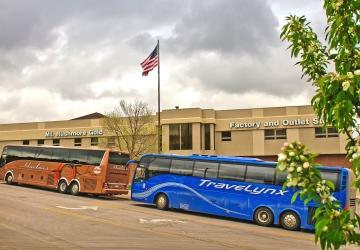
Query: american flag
{"points": [[150, 62]]}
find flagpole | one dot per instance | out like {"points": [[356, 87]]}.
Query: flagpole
{"points": [[159, 125]]}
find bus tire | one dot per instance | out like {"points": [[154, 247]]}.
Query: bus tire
{"points": [[290, 221], [62, 187], [162, 202], [9, 179], [74, 188], [263, 217]]}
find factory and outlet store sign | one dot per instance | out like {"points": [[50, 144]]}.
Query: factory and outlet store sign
{"points": [[68, 133], [276, 123]]}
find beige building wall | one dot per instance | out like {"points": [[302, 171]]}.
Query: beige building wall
{"points": [[247, 127]]}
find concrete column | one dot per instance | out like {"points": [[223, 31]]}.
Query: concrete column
{"points": [[258, 142], [342, 143], [165, 129], [196, 138], [292, 134], [212, 137]]}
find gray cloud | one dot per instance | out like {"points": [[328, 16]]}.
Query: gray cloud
{"points": [[66, 46], [226, 27]]}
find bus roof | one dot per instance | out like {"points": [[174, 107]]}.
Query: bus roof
{"points": [[231, 159], [62, 147], [222, 158]]}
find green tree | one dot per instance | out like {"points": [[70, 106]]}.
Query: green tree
{"points": [[334, 71]]}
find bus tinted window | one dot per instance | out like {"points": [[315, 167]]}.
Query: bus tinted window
{"points": [[118, 158], [259, 174], [206, 169], [280, 177], [95, 157], [78, 156], [60, 154], [45, 154], [182, 167], [331, 176], [30, 153], [232, 172], [159, 166]]}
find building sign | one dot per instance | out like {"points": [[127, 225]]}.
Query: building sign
{"points": [[68, 133], [276, 123]]}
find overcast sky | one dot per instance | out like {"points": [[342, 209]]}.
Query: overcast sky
{"points": [[63, 59]]}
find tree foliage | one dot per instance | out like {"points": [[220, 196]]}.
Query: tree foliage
{"points": [[133, 125], [334, 71]]}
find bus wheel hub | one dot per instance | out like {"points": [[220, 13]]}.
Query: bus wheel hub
{"points": [[290, 220]]}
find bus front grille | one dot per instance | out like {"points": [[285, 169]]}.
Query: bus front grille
{"points": [[352, 202], [50, 180], [311, 212]]}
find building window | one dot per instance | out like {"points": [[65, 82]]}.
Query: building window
{"points": [[275, 134], [322, 132], [180, 136], [207, 136], [94, 141], [40, 142], [226, 136], [26, 142], [111, 142], [56, 142], [77, 142]]}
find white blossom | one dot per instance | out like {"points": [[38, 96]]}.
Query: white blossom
{"points": [[345, 85], [306, 165], [357, 72], [281, 157]]}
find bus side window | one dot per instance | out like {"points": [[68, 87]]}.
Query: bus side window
{"points": [[158, 166], [259, 174], [206, 169], [95, 157], [280, 177], [45, 154], [60, 154], [117, 158], [13, 153], [331, 176], [232, 172], [181, 167], [30, 153], [79, 156]]}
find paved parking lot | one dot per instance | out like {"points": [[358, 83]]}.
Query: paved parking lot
{"points": [[32, 218]]}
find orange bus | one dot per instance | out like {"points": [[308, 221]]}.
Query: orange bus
{"points": [[68, 170]]}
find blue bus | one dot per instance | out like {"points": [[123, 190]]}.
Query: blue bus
{"points": [[236, 187]]}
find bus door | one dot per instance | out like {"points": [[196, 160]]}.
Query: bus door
{"points": [[138, 184], [152, 174]]}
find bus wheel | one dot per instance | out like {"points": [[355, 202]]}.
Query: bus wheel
{"points": [[9, 179], [290, 220], [63, 187], [74, 188], [263, 216], [162, 202]]}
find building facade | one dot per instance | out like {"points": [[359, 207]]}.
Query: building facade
{"points": [[258, 132]]}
